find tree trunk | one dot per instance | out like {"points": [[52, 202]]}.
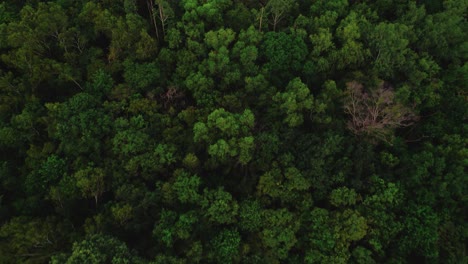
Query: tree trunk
{"points": [[150, 6]]}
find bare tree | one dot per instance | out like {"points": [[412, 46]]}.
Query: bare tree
{"points": [[165, 12], [278, 9], [376, 114], [150, 6], [171, 95]]}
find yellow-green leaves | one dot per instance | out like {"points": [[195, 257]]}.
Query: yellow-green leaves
{"points": [[343, 197], [91, 181], [229, 135]]}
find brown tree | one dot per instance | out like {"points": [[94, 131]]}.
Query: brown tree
{"points": [[376, 114]]}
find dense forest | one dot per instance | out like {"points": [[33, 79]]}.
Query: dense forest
{"points": [[233, 131]]}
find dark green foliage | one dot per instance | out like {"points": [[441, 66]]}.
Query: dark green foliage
{"points": [[221, 131], [284, 53]]}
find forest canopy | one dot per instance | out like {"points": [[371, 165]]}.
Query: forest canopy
{"points": [[222, 131]]}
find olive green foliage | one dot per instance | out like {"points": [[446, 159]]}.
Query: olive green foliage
{"points": [[222, 131]]}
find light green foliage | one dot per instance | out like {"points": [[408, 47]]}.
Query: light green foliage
{"points": [[322, 42], [351, 225], [208, 10], [221, 150], [99, 249], [122, 213], [173, 38], [324, 104], [285, 185], [202, 88], [191, 161], [172, 227], [185, 225], [331, 235], [390, 48], [362, 255], [294, 101], [320, 236], [219, 38], [130, 138], [195, 253], [164, 229], [217, 61], [157, 160], [101, 84], [186, 187], [165, 154], [51, 170], [246, 148], [279, 232], [420, 232], [444, 32], [226, 246], [224, 121], [352, 53], [250, 215], [245, 50], [218, 64], [91, 182], [233, 132], [343, 197], [383, 224], [389, 159], [219, 206]]}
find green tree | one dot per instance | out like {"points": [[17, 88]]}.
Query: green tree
{"points": [[229, 135], [74, 125], [284, 54], [343, 197], [226, 246], [187, 187], [250, 215], [219, 207], [91, 181], [389, 44], [286, 185], [294, 102], [278, 235], [98, 249]]}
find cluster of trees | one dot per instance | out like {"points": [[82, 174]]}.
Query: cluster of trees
{"points": [[222, 131]]}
